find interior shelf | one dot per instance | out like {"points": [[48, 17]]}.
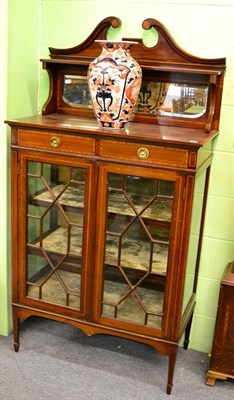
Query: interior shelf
{"points": [[134, 253], [71, 197], [65, 291], [159, 210]]}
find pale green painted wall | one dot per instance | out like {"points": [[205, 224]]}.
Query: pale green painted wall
{"points": [[4, 272], [203, 28], [19, 74], [23, 54]]}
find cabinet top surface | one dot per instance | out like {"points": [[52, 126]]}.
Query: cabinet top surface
{"points": [[157, 134]]}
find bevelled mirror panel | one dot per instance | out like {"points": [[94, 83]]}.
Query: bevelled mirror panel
{"points": [[155, 98]]}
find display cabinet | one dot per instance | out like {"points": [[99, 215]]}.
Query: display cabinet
{"points": [[101, 218], [222, 356]]}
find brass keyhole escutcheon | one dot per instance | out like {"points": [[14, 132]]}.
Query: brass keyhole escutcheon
{"points": [[55, 141], [143, 153]]}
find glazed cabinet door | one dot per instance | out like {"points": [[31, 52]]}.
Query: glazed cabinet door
{"points": [[54, 224], [138, 239]]}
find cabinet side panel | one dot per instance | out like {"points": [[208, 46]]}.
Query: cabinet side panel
{"points": [[194, 238], [14, 224]]}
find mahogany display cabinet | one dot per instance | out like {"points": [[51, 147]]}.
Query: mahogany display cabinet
{"points": [[222, 356], [101, 218]]}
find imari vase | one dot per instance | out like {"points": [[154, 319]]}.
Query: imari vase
{"points": [[114, 80]]}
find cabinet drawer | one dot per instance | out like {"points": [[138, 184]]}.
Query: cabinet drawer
{"points": [[144, 153], [56, 142]]}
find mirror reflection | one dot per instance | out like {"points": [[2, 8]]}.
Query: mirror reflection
{"points": [[155, 98], [172, 99], [76, 91]]}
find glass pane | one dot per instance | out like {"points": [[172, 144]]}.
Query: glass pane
{"points": [[55, 233], [139, 212]]}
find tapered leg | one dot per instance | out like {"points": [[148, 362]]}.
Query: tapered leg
{"points": [[171, 368], [16, 321]]}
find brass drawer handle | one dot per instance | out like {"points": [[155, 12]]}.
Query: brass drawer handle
{"points": [[143, 153], [55, 141]]}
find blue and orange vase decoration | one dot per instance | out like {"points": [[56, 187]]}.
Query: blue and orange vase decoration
{"points": [[114, 80]]}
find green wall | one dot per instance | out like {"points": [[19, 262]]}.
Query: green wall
{"points": [[23, 54], [198, 27], [4, 272]]}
